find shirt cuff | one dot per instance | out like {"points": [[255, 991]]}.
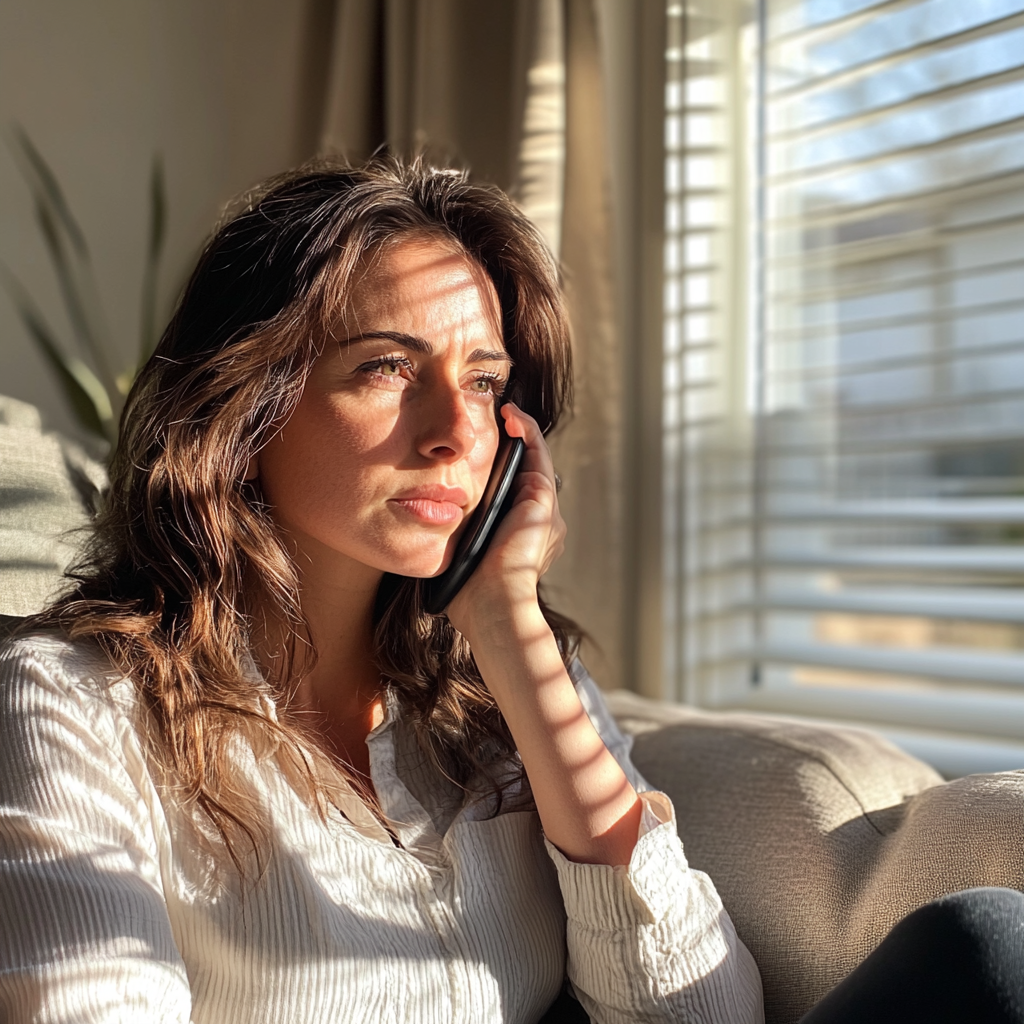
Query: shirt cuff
{"points": [[641, 892]]}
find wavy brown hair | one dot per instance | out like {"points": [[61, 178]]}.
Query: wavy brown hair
{"points": [[185, 553]]}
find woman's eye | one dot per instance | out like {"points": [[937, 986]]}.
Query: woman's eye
{"points": [[389, 366], [488, 384]]}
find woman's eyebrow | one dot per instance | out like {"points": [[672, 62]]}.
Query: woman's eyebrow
{"points": [[405, 340], [488, 355], [478, 355]]}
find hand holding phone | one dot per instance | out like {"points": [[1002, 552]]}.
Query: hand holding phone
{"points": [[438, 591]]}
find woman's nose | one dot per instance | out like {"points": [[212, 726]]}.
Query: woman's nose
{"points": [[447, 429]]}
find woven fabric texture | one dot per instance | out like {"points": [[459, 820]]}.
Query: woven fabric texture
{"points": [[47, 487], [820, 838]]}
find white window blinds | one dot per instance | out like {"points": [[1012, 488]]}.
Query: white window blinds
{"points": [[844, 404]]}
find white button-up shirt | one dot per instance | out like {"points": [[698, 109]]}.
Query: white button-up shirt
{"points": [[117, 904]]}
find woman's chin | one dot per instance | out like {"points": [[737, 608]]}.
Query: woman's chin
{"points": [[410, 553], [420, 568]]}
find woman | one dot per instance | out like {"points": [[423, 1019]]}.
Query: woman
{"points": [[244, 780], [245, 777]]}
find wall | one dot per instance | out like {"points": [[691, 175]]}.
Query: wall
{"points": [[228, 91]]}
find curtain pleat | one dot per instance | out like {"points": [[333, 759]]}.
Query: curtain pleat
{"points": [[588, 580], [442, 77]]}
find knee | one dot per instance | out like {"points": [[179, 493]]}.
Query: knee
{"points": [[959, 958], [976, 911], [976, 924], [984, 900]]}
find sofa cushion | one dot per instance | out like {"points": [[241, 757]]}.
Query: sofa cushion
{"points": [[48, 489], [820, 838]]}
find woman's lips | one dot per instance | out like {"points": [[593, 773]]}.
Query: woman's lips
{"points": [[433, 503], [430, 511]]}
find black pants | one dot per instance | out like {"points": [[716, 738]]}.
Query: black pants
{"points": [[959, 960]]}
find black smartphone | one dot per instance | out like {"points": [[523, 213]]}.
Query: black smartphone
{"points": [[438, 591]]}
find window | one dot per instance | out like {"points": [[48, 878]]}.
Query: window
{"points": [[844, 327]]}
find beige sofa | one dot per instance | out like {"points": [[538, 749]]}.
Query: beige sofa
{"points": [[819, 838]]}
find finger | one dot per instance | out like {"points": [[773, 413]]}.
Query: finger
{"points": [[537, 456], [521, 424], [534, 486]]}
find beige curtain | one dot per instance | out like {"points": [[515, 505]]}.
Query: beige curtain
{"points": [[513, 90], [445, 77]]}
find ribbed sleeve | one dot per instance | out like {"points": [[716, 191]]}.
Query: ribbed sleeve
{"points": [[84, 931], [650, 941]]}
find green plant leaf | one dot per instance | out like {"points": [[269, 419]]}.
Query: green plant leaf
{"points": [[157, 207], [82, 388], [96, 393], [69, 254], [65, 277], [157, 228], [42, 179]]}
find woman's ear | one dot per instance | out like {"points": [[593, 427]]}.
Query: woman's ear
{"points": [[252, 469]]}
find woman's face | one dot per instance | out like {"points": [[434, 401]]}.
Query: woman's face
{"points": [[391, 444]]}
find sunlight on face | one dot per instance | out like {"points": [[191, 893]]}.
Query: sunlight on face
{"points": [[391, 444]]}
